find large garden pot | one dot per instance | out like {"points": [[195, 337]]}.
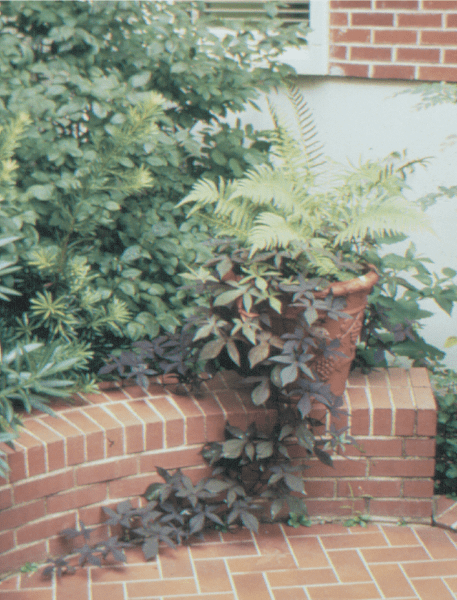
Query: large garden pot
{"points": [[333, 370]]}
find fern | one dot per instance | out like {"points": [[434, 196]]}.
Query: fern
{"points": [[297, 199]]}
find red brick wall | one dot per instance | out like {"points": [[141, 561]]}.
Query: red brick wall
{"points": [[394, 39], [104, 449]]}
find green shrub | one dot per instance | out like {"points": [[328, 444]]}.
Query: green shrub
{"points": [[445, 384], [127, 102], [30, 372]]}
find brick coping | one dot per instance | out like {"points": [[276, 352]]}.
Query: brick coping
{"points": [[105, 447]]}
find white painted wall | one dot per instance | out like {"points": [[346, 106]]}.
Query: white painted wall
{"points": [[366, 119]]}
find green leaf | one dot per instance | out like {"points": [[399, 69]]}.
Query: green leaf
{"points": [[216, 486], [264, 450], [150, 548], [449, 272], [450, 341], [295, 483], [233, 351], [289, 374], [250, 451], [134, 253], [218, 157], [212, 349], [41, 192], [196, 523], [179, 67], [323, 456], [258, 354], [305, 436], [250, 521], [4, 240], [128, 287], [228, 297], [275, 304], [276, 507], [140, 79], [233, 448], [261, 393]]}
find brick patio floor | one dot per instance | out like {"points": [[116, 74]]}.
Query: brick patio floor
{"points": [[321, 562]]}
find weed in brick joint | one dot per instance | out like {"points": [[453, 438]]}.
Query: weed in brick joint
{"points": [[29, 568], [358, 519]]}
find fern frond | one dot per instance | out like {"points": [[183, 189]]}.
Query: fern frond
{"points": [[307, 127], [203, 192], [265, 186], [381, 218], [271, 230], [304, 150]]}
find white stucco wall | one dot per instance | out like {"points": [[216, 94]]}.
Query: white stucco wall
{"points": [[366, 119]]}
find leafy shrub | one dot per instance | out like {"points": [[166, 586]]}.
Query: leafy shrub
{"points": [[445, 386], [30, 373], [395, 314], [127, 102]]}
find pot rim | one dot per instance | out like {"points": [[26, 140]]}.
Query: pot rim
{"points": [[363, 283]]}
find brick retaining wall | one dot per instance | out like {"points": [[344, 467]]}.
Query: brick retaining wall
{"points": [[104, 449]]}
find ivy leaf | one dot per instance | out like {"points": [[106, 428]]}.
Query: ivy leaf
{"points": [[250, 521], [150, 548], [250, 451], [323, 456], [289, 374], [212, 349], [264, 450], [261, 393], [258, 354], [197, 523], [233, 448], [295, 483], [304, 405], [276, 507], [228, 297], [216, 486], [305, 437], [233, 351]]}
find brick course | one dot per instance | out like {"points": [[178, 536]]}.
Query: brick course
{"points": [[394, 39], [107, 450]]}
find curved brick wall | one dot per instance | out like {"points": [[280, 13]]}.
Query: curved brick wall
{"points": [[105, 447]]}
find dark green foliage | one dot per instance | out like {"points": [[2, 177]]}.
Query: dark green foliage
{"points": [[31, 373], [445, 385], [393, 320], [126, 103]]}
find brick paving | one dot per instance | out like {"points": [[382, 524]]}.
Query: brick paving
{"points": [[322, 562]]}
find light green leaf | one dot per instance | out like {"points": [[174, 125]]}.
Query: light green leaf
{"points": [[41, 192], [261, 393], [228, 297], [140, 79], [212, 349], [258, 354]]}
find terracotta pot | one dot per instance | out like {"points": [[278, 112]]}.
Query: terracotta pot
{"points": [[335, 370]]}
